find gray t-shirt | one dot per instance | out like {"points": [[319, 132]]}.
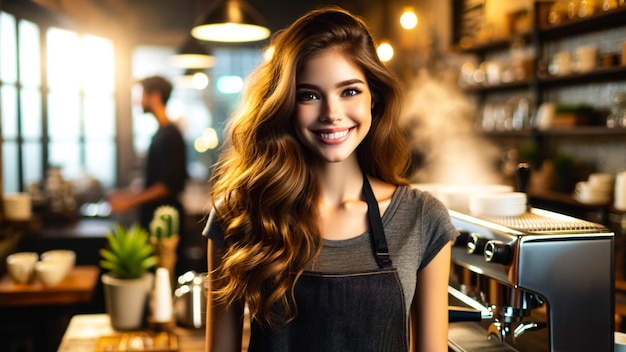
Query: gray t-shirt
{"points": [[417, 227]]}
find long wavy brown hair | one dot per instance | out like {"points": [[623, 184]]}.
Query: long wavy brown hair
{"points": [[264, 191]]}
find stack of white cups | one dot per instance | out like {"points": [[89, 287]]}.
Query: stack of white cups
{"points": [[620, 192], [598, 189]]}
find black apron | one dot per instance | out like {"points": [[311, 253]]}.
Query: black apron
{"points": [[344, 312]]}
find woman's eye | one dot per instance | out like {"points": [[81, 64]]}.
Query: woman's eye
{"points": [[351, 92], [304, 96]]}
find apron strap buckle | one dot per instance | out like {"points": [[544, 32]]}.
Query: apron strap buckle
{"points": [[383, 260]]}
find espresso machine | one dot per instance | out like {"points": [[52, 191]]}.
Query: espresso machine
{"points": [[541, 281]]}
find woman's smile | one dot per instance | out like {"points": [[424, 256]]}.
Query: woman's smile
{"points": [[336, 136]]}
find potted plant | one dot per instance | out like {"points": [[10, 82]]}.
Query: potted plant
{"points": [[128, 282]]}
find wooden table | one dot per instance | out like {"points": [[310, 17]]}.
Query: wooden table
{"points": [[78, 287], [84, 330]]}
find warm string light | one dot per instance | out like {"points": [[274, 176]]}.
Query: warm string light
{"points": [[408, 19], [385, 51]]}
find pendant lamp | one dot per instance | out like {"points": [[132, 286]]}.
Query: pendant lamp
{"points": [[192, 56], [231, 21]]}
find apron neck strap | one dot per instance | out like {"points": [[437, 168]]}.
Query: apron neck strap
{"points": [[377, 233]]}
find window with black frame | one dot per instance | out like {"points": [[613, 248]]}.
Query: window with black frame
{"points": [[57, 104]]}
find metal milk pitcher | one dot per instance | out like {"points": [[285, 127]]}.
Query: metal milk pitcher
{"points": [[190, 300]]}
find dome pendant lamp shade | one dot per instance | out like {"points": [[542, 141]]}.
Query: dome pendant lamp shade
{"points": [[192, 55], [231, 21]]}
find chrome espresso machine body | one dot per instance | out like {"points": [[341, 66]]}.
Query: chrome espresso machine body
{"points": [[542, 280]]}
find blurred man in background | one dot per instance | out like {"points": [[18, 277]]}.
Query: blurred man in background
{"points": [[165, 172]]}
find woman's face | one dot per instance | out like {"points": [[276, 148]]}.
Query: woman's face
{"points": [[333, 107]]}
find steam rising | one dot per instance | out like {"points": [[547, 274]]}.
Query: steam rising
{"points": [[438, 120]]}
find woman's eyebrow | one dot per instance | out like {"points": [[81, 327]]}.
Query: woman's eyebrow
{"points": [[349, 82], [306, 86], [338, 85]]}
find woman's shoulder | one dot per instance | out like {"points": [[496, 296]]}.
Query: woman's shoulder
{"points": [[414, 198]]}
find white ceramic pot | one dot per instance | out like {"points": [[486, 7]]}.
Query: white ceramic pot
{"points": [[126, 300]]}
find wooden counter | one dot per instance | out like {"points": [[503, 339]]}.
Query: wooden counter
{"points": [[78, 287]]}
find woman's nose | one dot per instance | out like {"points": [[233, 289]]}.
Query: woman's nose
{"points": [[331, 112]]}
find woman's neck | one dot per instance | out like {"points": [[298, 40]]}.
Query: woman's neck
{"points": [[340, 181]]}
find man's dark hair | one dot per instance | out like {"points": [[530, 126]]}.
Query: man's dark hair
{"points": [[157, 84]]}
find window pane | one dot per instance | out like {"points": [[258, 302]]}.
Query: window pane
{"points": [[32, 162], [63, 59], [99, 117], [8, 106], [66, 155], [30, 56], [10, 167], [98, 69], [101, 161], [8, 48], [31, 113], [63, 112]]}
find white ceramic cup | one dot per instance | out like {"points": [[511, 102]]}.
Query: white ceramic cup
{"points": [[587, 192], [17, 206], [66, 257], [562, 63], [601, 181], [21, 266], [50, 272], [619, 197]]}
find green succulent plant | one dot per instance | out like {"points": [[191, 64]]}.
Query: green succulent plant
{"points": [[129, 253]]}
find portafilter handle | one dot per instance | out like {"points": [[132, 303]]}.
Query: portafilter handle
{"points": [[522, 176]]}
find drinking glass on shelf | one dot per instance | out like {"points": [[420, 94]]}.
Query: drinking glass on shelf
{"points": [[557, 13]]}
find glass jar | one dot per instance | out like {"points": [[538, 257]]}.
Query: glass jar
{"points": [[617, 117], [608, 5], [587, 8]]}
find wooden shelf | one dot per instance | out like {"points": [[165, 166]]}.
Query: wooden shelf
{"points": [[584, 131], [564, 131], [602, 74], [494, 45], [599, 21], [526, 84]]}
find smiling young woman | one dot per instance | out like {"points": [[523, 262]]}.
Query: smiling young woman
{"points": [[313, 226]]}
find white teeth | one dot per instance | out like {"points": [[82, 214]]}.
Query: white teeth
{"points": [[335, 135]]}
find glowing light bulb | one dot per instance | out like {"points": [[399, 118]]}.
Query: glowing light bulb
{"points": [[199, 80], [384, 51], [408, 20]]}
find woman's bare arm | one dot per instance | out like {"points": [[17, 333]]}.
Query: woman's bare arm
{"points": [[429, 310], [224, 325]]}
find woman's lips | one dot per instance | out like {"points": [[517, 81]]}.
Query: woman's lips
{"points": [[333, 136]]}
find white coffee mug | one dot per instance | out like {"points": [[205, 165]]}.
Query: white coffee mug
{"points": [[21, 266], [619, 197], [17, 206], [561, 63]]}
